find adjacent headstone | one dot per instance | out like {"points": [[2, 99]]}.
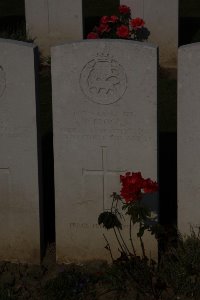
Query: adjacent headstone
{"points": [[19, 183], [53, 21], [188, 137], [105, 123], [161, 18]]}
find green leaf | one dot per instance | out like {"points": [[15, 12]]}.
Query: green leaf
{"points": [[109, 220], [143, 212], [125, 206], [141, 231], [132, 211], [134, 217]]}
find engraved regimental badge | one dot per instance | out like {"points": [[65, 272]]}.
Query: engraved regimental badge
{"points": [[103, 80], [2, 81]]}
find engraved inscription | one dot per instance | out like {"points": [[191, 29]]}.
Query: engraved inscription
{"points": [[2, 81], [104, 127], [8, 130], [84, 226], [104, 172], [103, 80]]}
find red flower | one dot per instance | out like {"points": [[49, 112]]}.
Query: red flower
{"points": [[103, 28], [132, 178], [104, 20], [137, 23], [150, 186], [122, 31], [130, 196], [113, 19], [124, 10], [92, 35], [131, 186]]}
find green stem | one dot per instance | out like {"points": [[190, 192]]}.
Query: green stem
{"points": [[142, 245], [108, 247], [112, 203], [118, 240], [125, 246], [131, 240]]}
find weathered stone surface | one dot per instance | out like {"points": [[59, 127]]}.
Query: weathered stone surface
{"points": [[105, 123], [188, 137], [161, 18], [19, 184], [53, 21]]}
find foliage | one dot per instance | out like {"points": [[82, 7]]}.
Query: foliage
{"points": [[174, 276], [16, 32], [109, 220], [45, 61], [180, 266], [139, 274], [128, 204], [120, 26], [7, 294], [72, 284]]}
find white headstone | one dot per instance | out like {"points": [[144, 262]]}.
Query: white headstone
{"points": [[104, 116], [161, 18], [53, 21], [19, 184], [188, 137]]}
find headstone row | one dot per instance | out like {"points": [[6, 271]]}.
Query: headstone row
{"points": [[161, 18], [105, 123], [52, 22]]}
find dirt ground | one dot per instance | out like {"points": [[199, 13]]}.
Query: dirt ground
{"points": [[51, 281]]}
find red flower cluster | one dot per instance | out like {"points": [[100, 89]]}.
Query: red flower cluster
{"points": [[111, 19], [137, 23], [103, 28], [123, 31], [121, 26], [93, 35], [134, 186], [124, 10]]}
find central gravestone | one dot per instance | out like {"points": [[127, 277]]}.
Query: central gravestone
{"points": [[104, 113]]}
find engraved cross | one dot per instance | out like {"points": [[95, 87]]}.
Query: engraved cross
{"points": [[103, 172]]}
